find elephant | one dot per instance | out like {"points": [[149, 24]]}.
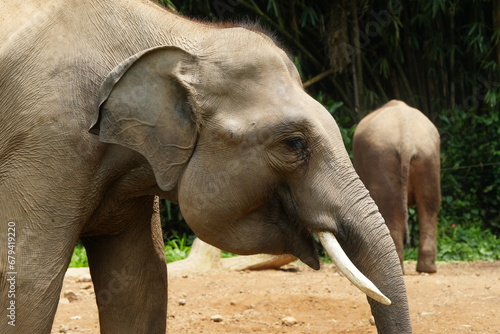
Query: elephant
{"points": [[396, 155], [107, 106]]}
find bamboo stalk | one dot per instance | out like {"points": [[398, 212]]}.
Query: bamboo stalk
{"points": [[317, 78]]}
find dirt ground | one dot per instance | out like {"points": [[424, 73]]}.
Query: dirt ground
{"points": [[460, 298]]}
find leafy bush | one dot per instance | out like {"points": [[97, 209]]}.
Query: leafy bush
{"points": [[178, 247], [468, 244], [79, 258], [462, 242], [172, 222], [470, 177]]}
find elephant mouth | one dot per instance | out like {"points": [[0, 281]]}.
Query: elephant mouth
{"points": [[307, 252], [303, 246]]}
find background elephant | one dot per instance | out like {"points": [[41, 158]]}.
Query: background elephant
{"points": [[396, 154], [213, 118]]}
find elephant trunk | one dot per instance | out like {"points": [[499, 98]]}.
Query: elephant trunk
{"points": [[364, 237]]}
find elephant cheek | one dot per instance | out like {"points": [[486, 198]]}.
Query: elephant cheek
{"points": [[196, 210]]}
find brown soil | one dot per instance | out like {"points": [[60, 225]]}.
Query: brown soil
{"points": [[460, 298]]}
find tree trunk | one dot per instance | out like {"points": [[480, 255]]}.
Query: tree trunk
{"points": [[357, 69]]}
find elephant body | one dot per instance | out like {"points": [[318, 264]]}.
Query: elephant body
{"points": [[396, 154], [106, 105]]}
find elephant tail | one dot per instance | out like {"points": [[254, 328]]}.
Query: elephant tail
{"points": [[405, 179]]}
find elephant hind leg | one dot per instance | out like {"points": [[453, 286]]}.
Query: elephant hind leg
{"points": [[428, 200], [383, 177], [130, 274], [392, 208], [427, 248]]}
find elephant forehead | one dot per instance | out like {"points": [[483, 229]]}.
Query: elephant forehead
{"points": [[236, 54]]}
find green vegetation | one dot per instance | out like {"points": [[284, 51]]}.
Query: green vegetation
{"points": [[178, 247], [79, 258], [463, 243]]}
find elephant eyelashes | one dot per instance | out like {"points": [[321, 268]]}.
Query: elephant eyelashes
{"points": [[296, 143], [298, 146]]}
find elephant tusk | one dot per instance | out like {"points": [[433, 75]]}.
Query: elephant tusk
{"points": [[346, 267]]}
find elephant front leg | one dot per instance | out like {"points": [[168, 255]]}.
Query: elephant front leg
{"points": [[130, 275], [32, 267]]}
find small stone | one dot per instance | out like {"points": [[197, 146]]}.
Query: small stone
{"points": [[182, 301], [289, 321], [250, 312], [84, 278], [216, 318], [76, 317], [185, 276], [63, 301], [71, 296], [372, 320], [63, 329], [427, 313]]}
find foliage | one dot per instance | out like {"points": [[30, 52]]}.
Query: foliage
{"points": [[79, 258], [178, 247], [468, 244], [172, 222], [470, 179], [463, 242]]}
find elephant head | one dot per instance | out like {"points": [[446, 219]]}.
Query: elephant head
{"points": [[257, 165]]}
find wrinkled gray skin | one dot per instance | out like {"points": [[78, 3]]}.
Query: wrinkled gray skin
{"points": [[212, 118], [396, 154]]}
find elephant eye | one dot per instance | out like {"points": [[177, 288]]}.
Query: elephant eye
{"points": [[289, 152], [296, 143]]}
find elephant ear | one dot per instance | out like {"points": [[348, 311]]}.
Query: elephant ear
{"points": [[143, 105]]}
